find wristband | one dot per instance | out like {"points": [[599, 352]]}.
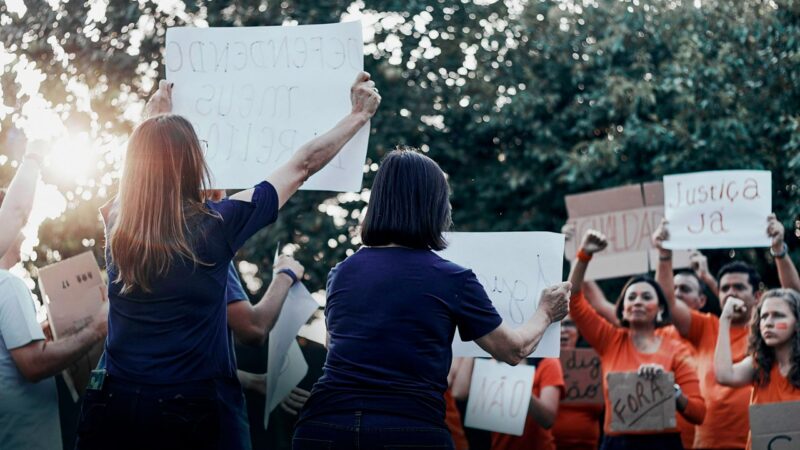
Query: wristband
{"points": [[289, 272], [781, 254], [678, 390], [583, 256], [666, 257]]}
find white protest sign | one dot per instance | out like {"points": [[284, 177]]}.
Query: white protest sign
{"points": [[72, 295], [297, 308], [514, 268], [291, 373], [719, 209], [256, 94], [499, 396]]}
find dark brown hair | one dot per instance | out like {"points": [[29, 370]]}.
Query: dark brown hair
{"points": [[764, 355], [662, 300]]}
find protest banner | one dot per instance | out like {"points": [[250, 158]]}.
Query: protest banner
{"points": [[499, 396], [73, 292], [297, 308], [583, 376], [627, 216], [718, 209], [514, 268], [289, 375], [256, 94], [641, 404], [775, 426]]}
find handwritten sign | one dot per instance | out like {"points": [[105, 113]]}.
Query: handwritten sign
{"points": [[720, 209], [641, 404], [628, 216], [583, 376], [72, 295], [297, 308], [256, 94], [775, 426], [514, 268], [290, 374], [499, 396]]}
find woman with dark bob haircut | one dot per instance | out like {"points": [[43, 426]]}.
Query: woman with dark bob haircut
{"points": [[392, 311], [636, 347]]}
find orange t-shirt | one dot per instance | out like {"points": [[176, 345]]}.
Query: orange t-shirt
{"points": [[619, 354], [727, 421], [548, 373], [778, 390], [577, 427], [686, 428], [452, 419]]}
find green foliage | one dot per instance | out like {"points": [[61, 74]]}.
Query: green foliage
{"points": [[520, 105]]}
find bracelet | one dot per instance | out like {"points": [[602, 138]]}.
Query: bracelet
{"points": [[583, 256], [289, 272], [782, 253], [666, 257], [35, 157]]}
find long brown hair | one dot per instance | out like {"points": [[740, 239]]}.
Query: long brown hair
{"points": [[161, 187], [764, 355]]}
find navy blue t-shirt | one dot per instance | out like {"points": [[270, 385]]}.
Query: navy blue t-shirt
{"points": [[391, 314], [179, 331]]}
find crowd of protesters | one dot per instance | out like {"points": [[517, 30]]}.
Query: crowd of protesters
{"points": [[168, 377]]}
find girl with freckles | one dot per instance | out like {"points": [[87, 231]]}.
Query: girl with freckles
{"points": [[636, 346], [772, 366]]}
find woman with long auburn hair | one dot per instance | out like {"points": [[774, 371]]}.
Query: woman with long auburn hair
{"points": [[168, 251], [772, 366]]}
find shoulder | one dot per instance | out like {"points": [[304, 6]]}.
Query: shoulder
{"points": [[11, 283], [549, 372]]}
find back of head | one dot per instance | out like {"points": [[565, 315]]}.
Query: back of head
{"points": [[161, 186], [741, 267], [409, 204]]}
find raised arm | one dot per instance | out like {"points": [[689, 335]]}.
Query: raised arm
{"points": [[728, 373], [699, 264], [512, 345], [595, 296], [544, 408], [681, 314], [787, 272], [18, 202], [251, 324], [597, 331], [318, 152]]}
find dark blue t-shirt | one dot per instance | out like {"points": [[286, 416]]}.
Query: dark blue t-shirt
{"points": [[391, 314], [179, 331]]}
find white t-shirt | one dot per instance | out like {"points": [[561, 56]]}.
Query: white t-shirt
{"points": [[28, 411]]}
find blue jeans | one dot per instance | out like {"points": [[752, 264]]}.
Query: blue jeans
{"points": [[363, 430], [126, 415]]}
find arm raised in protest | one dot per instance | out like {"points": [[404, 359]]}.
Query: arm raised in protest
{"points": [[251, 324], [680, 313], [315, 154], [787, 272], [18, 201], [726, 372], [512, 345], [591, 290]]}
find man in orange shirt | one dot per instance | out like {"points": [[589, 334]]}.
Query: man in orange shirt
{"points": [[727, 422]]}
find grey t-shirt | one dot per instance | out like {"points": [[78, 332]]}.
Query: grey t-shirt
{"points": [[28, 411]]}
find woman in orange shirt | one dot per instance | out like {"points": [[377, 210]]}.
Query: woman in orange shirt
{"points": [[641, 309], [773, 362]]}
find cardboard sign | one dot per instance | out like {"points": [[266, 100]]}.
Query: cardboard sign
{"points": [[290, 374], [775, 426], [719, 209], [640, 404], [256, 94], [297, 308], [583, 376], [514, 268], [499, 396], [628, 216], [72, 292]]}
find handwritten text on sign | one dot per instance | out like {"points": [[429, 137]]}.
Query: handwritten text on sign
{"points": [[514, 268], [256, 94], [582, 375], [73, 294], [640, 404], [723, 209], [499, 396], [774, 426]]}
